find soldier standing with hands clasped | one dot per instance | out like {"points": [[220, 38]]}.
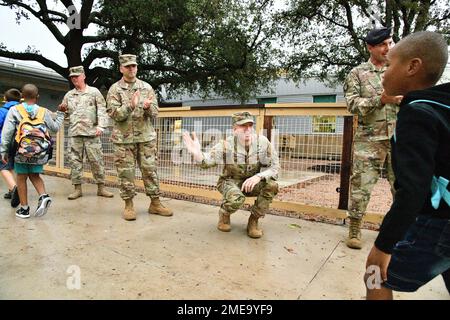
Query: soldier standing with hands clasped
{"points": [[132, 105]]}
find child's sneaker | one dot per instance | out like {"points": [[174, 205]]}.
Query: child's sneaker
{"points": [[7, 195], [15, 200], [23, 213], [43, 204]]}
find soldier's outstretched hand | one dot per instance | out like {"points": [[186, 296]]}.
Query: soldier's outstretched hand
{"points": [[62, 107], [193, 145]]}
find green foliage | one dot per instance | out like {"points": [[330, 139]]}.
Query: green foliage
{"points": [[196, 46], [327, 36]]}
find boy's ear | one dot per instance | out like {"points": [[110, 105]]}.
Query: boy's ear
{"points": [[414, 66]]}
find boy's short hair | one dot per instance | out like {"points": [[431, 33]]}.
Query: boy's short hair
{"points": [[30, 91], [12, 95], [428, 46]]}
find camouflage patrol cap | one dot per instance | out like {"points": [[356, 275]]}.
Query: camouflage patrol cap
{"points": [[76, 71], [378, 35], [127, 59], [240, 118]]}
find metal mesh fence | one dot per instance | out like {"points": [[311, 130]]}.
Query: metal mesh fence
{"points": [[175, 163], [310, 150], [309, 147]]}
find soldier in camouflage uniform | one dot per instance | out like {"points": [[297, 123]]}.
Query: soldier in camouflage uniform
{"points": [[377, 114], [86, 109], [251, 167], [132, 104]]}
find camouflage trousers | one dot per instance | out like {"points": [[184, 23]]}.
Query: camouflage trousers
{"points": [[94, 154], [126, 156], [233, 197], [368, 159]]}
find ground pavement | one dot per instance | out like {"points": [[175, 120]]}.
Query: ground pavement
{"points": [[83, 249]]}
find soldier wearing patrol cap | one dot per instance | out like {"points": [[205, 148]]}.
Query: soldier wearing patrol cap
{"points": [[251, 167], [132, 104], [377, 113], [86, 109]]}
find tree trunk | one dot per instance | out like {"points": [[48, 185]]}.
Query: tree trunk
{"points": [[72, 50]]}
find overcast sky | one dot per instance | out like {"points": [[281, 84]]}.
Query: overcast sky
{"points": [[32, 33], [29, 33]]}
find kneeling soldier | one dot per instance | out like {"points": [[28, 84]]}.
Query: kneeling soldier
{"points": [[251, 166]]}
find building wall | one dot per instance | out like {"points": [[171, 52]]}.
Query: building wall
{"points": [[283, 91], [51, 85]]}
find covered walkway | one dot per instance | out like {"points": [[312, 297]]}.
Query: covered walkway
{"points": [[181, 257]]}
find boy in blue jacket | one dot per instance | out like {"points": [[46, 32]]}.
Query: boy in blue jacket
{"points": [[413, 245], [11, 98]]}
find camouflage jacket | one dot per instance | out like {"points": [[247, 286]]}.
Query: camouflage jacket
{"points": [[131, 126], [86, 111], [363, 90], [261, 158]]}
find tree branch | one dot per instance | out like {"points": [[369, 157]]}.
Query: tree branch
{"points": [[85, 12], [350, 27], [45, 19], [436, 21], [258, 33], [93, 39], [67, 3], [29, 56], [98, 54], [422, 16], [160, 67], [95, 18]]}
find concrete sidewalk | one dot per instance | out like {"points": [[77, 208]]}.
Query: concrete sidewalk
{"points": [[180, 257]]}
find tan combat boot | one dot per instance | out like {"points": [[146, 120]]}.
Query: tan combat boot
{"points": [[101, 191], [77, 193], [129, 213], [224, 221], [252, 227], [156, 207], [354, 234]]}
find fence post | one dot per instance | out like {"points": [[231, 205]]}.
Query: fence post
{"points": [[268, 122], [259, 125], [60, 147], [346, 163]]}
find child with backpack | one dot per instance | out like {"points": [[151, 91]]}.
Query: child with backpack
{"points": [[32, 143], [11, 98], [413, 245]]}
